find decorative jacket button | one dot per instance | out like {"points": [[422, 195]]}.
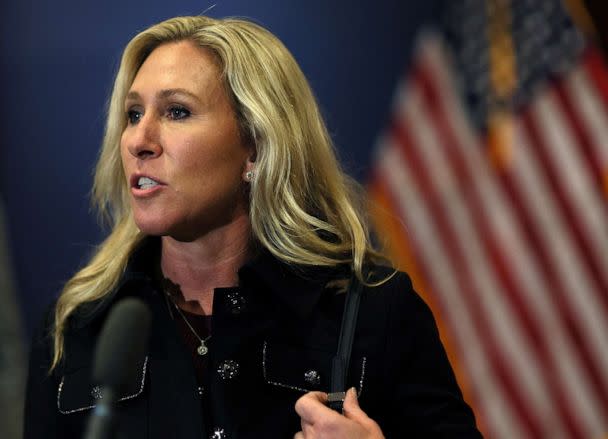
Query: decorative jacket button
{"points": [[312, 377], [228, 369], [235, 302], [218, 433], [96, 392]]}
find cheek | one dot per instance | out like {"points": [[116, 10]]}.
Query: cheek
{"points": [[194, 154], [207, 157], [205, 161], [124, 161], [123, 149]]}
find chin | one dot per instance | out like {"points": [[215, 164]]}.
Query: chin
{"points": [[164, 228], [152, 231], [152, 226]]}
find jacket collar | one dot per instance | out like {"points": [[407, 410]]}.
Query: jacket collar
{"points": [[296, 287]]}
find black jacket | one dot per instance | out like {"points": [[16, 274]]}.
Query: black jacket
{"points": [[281, 324]]}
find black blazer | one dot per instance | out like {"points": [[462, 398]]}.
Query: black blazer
{"points": [[273, 340]]}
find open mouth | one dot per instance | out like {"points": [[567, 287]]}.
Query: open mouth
{"points": [[146, 183]]}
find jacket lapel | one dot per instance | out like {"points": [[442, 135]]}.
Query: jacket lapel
{"points": [[173, 388]]}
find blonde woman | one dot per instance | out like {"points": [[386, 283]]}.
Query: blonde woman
{"points": [[230, 217]]}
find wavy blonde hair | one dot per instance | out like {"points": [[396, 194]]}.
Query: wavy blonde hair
{"points": [[316, 216]]}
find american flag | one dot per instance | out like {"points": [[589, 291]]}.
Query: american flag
{"points": [[490, 187]]}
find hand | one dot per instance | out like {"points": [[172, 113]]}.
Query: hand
{"points": [[320, 422]]}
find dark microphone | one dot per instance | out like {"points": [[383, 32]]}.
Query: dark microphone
{"points": [[118, 357]]}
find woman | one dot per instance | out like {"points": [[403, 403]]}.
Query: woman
{"points": [[232, 220]]}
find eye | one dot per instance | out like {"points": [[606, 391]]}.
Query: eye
{"points": [[133, 116], [177, 112]]}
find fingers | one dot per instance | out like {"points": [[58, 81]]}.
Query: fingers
{"points": [[307, 431], [311, 407], [320, 422], [353, 411]]}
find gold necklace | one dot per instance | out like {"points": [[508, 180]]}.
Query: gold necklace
{"points": [[203, 348], [171, 289]]}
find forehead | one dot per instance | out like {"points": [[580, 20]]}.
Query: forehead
{"points": [[179, 65]]}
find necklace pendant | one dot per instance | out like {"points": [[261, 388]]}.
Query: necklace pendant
{"points": [[202, 349]]}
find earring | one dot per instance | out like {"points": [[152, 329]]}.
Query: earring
{"points": [[249, 175]]}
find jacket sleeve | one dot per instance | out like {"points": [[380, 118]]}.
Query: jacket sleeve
{"points": [[40, 414], [426, 399]]}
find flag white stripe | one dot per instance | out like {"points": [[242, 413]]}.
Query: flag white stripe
{"points": [[541, 206], [560, 382], [502, 422], [502, 324], [567, 160], [505, 228], [574, 174]]}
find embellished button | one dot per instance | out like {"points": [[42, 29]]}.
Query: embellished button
{"points": [[235, 302], [200, 390], [228, 369], [312, 377], [96, 392], [218, 433]]}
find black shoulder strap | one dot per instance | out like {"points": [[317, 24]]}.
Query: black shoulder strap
{"points": [[345, 345]]}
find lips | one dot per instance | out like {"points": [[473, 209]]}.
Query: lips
{"points": [[146, 183], [140, 181], [143, 186]]}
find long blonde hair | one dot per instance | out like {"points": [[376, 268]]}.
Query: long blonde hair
{"points": [[303, 208]]}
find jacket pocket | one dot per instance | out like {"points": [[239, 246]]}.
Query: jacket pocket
{"points": [[295, 368], [304, 370], [76, 393]]}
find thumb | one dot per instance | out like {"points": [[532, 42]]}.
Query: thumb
{"points": [[352, 410]]}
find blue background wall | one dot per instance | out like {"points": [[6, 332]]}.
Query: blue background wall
{"points": [[57, 63]]}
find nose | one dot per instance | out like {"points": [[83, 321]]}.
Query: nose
{"points": [[142, 139]]}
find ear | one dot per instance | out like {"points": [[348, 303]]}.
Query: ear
{"points": [[249, 171], [250, 163]]}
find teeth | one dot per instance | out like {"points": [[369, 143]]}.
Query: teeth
{"points": [[146, 183]]}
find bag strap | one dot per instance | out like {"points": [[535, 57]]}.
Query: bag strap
{"points": [[335, 399]]}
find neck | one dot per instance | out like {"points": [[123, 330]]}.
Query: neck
{"points": [[212, 261]]}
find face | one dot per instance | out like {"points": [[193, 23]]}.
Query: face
{"points": [[182, 154]]}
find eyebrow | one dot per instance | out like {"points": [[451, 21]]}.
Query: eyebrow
{"points": [[166, 93]]}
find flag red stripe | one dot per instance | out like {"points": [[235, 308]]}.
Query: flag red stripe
{"points": [[584, 141], [569, 318], [597, 68], [382, 193], [454, 321], [503, 268], [541, 150], [558, 331], [466, 286]]}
